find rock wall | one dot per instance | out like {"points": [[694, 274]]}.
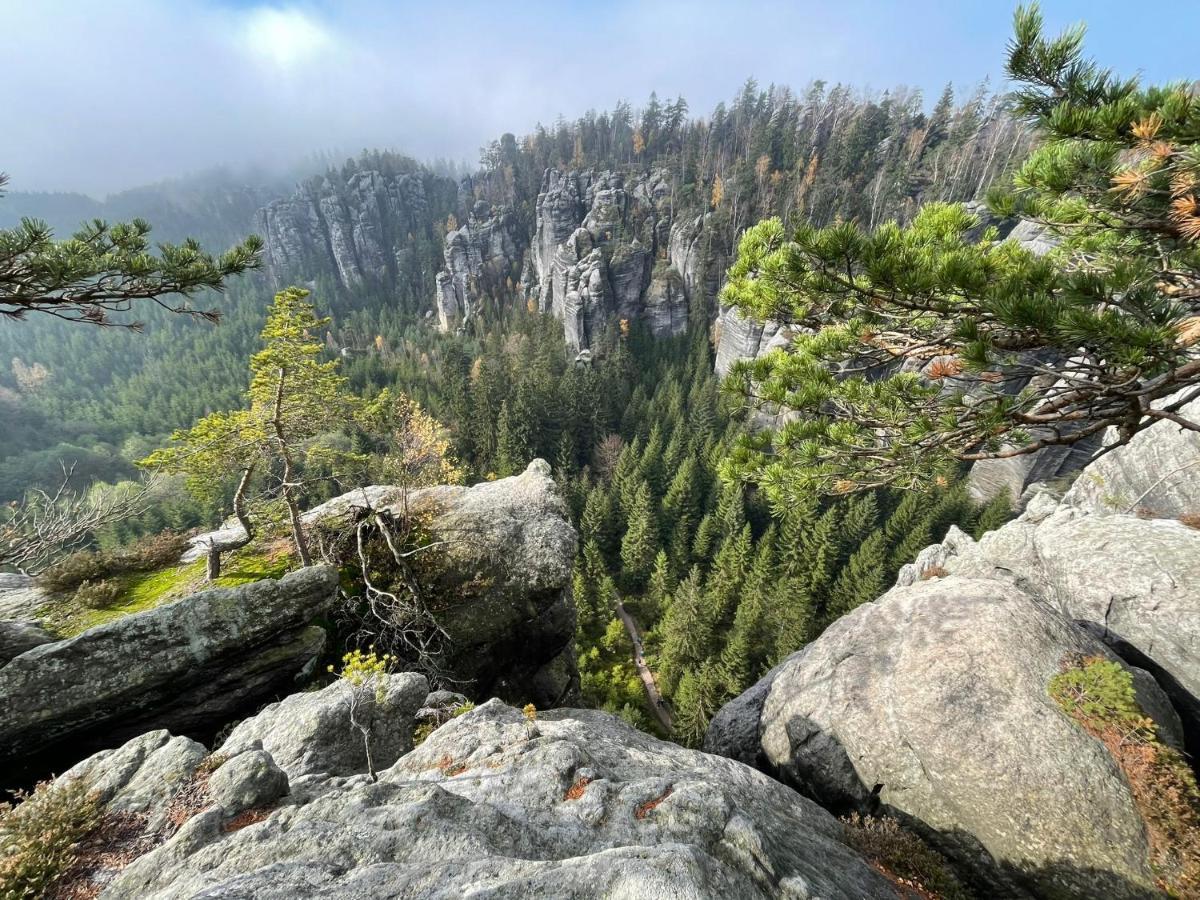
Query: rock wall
{"points": [[359, 231], [604, 247], [190, 665]]}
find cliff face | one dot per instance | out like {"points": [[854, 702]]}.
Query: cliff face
{"points": [[604, 246], [360, 229]]}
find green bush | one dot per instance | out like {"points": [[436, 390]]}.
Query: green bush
{"points": [[39, 835], [71, 571]]}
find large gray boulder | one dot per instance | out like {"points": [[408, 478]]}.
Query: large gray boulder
{"points": [[1133, 582], [499, 580], [142, 775], [933, 703], [575, 804], [1157, 473], [189, 666], [18, 635], [311, 733]]}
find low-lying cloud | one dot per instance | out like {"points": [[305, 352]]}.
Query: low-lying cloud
{"points": [[124, 92]]}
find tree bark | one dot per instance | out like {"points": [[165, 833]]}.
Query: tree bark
{"points": [[289, 491]]}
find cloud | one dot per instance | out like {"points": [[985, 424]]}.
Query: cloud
{"points": [[284, 38], [115, 93]]}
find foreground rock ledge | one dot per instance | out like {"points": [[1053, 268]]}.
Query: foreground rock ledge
{"points": [[932, 702], [499, 580], [574, 804], [189, 666]]}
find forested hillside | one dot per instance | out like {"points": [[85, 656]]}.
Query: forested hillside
{"points": [[101, 399]]}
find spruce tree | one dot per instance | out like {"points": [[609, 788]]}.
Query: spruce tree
{"points": [[685, 641], [639, 545], [862, 579]]}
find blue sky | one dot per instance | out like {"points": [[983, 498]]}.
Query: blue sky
{"points": [[113, 93]]}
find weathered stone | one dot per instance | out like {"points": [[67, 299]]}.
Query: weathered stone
{"points": [[499, 580], [933, 703], [1157, 473], [311, 733], [142, 775], [188, 665], [577, 804], [1134, 581], [250, 780], [17, 636]]}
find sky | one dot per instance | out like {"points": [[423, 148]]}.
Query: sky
{"points": [[109, 94]]}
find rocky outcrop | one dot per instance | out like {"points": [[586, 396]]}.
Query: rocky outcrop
{"points": [[1156, 474], [932, 703], [356, 227], [189, 665], [498, 581], [603, 248], [311, 733], [1134, 582], [572, 804], [17, 636], [483, 256]]}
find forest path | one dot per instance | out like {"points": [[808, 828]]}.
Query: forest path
{"points": [[657, 703]]}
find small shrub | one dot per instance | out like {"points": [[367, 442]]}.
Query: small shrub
{"points": [[903, 857], [530, 712], [1098, 694], [155, 551], [1191, 520], [72, 571], [40, 835], [934, 572], [98, 594]]}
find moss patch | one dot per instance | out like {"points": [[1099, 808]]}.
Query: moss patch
{"points": [[1098, 694], [139, 591]]}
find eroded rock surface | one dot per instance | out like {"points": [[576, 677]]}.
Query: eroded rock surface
{"points": [[574, 804], [933, 703], [311, 733], [499, 581], [188, 665]]}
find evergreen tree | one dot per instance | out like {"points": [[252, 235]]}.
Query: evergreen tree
{"points": [[685, 641], [639, 545], [864, 577]]}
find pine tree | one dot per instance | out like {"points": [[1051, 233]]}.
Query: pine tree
{"points": [[995, 513], [1107, 322], [723, 587], [598, 522], [708, 532], [107, 268], [660, 588]]}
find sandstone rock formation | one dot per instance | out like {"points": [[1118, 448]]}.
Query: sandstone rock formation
{"points": [[932, 702], [311, 733], [500, 580], [189, 665], [604, 247], [1134, 582], [574, 804]]}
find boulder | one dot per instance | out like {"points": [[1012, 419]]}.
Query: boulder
{"points": [[1156, 474], [189, 665], [250, 780], [142, 775], [499, 580], [17, 636], [574, 804], [311, 733], [1134, 582], [932, 704]]}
